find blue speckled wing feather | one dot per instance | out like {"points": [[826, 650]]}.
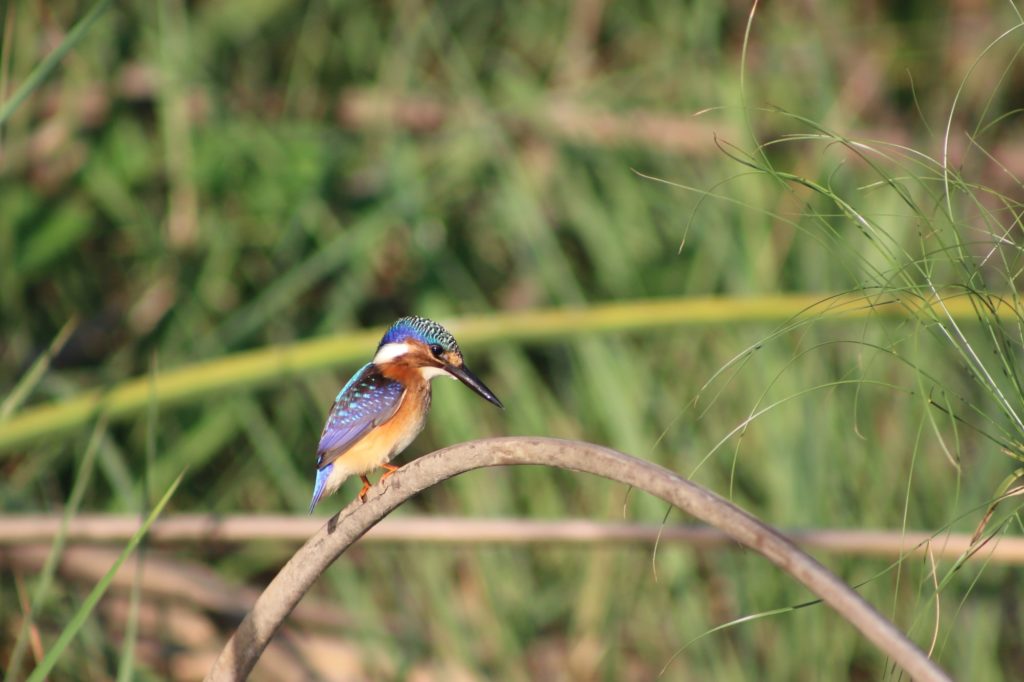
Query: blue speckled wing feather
{"points": [[367, 400]]}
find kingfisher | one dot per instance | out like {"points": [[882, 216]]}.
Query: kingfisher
{"points": [[384, 406]]}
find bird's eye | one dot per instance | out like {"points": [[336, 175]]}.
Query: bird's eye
{"points": [[437, 350]]}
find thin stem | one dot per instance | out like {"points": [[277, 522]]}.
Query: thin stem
{"points": [[267, 365], [217, 531]]}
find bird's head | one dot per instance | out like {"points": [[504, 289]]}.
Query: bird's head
{"points": [[427, 347]]}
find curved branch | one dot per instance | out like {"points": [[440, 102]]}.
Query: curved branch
{"points": [[298, 575]]}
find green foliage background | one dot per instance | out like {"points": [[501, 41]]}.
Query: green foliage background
{"points": [[198, 179]]}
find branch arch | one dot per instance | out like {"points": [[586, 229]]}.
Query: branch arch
{"points": [[284, 592]]}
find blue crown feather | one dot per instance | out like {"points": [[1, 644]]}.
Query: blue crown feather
{"points": [[421, 329]]}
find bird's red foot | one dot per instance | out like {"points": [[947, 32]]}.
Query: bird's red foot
{"points": [[390, 470], [366, 487]]}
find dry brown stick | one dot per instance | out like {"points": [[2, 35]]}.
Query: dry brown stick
{"points": [[22, 529], [297, 576], [175, 579]]}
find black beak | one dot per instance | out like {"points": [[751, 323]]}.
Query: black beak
{"points": [[465, 376]]}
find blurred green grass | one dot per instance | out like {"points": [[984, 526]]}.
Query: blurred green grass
{"points": [[201, 179]]}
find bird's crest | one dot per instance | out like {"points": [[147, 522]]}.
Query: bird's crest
{"points": [[420, 329]]}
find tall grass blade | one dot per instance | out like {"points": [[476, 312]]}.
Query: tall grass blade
{"points": [[42, 590], [49, 63], [126, 666], [17, 397], [76, 622]]}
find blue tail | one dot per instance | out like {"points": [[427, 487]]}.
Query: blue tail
{"points": [[318, 488]]}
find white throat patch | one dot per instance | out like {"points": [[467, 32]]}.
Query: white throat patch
{"points": [[390, 351]]}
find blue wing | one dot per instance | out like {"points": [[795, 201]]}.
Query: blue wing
{"points": [[366, 401]]}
